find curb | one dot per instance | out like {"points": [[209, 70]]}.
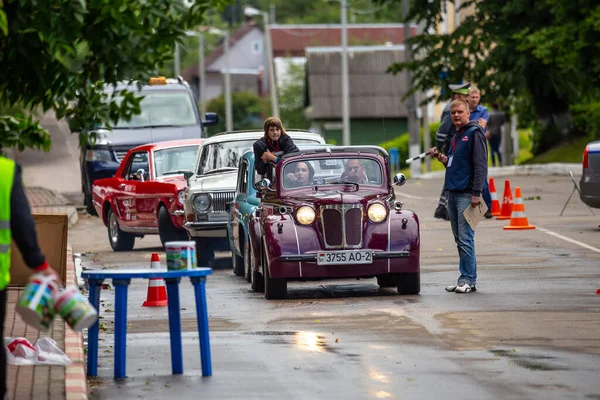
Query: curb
{"points": [[526, 169], [75, 378]]}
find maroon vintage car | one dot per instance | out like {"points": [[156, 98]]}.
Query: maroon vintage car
{"points": [[331, 212], [147, 193]]}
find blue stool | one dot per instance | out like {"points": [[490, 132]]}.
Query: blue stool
{"points": [[121, 280]]}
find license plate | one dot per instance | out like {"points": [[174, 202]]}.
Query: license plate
{"points": [[345, 257]]}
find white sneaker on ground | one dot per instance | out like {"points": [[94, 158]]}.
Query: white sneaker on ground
{"points": [[450, 288], [463, 288]]}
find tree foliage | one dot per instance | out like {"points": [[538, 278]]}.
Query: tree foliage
{"points": [[291, 98], [544, 52], [248, 111], [57, 54]]}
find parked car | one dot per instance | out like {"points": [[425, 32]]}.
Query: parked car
{"points": [[242, 208], [212, 188], [168, 112], [590, 179], [343, 222], [147, 193]]}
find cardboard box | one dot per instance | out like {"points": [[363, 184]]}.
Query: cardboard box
{"points": [[52, 233]]}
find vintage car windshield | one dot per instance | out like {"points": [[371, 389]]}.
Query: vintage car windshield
{"points": [[175, 160], [308, 172], [161, 108], [227, 155]]}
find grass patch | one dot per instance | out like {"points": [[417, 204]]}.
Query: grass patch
{"points": [[569, 151]]}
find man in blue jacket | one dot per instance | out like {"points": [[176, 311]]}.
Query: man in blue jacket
{"points": [[466, 173]]}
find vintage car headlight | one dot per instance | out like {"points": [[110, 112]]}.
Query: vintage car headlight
{"points": [[181, 197], [377, 212], [305, 215], [201, 203]]}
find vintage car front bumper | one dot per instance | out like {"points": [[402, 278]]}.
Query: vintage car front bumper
{"points": [[305, 266], [376, 255]]}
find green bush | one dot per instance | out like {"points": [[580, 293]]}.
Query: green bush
{"points": [[401, 143]]}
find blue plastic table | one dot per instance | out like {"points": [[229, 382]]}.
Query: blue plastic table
{"points": [[121, 280]]}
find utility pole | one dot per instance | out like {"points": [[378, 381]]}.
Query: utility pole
{"points": [[271, 71], [345, 84], [177, 57], [414, 147], [202, 76], [228, 108]]}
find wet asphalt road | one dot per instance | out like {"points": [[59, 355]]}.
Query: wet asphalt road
{"points": [[531, 331]]}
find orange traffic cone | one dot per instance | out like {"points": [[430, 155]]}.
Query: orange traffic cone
{"points": [[495, 211], [507, 203], [157, 291], [518, 219]]}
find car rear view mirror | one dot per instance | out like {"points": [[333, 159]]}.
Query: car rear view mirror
{"points": [[399, 179]]}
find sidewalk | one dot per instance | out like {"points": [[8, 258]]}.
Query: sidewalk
{"points": [[45, 381]]}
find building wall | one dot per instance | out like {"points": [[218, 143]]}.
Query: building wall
{"points": [[364, 131], [247, 53]]}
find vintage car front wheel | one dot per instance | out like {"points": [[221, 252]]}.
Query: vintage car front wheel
{"points": [[274, 288], [166, 230], [119, 240], [409, 283]]}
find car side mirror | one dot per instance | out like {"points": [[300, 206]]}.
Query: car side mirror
{"points": [[140, 174], [210, 118], [187, 175], [399, 179], [263, 185]]}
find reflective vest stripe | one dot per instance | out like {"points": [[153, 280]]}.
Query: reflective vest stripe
{"points": [[7, 174]]}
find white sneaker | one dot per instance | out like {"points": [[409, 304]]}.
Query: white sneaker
{"points": [[450, 288], [463, 288]]}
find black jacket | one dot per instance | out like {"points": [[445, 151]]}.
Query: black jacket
{"points": [[285, 144], [22, 225]]}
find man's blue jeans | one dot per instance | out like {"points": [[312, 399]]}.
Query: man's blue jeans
{"points": [[464, 236]]}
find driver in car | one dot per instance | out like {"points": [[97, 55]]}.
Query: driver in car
{"points": [[302, 175], [354, 172]]}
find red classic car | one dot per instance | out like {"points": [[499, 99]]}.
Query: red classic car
{"points": [[331, 212], [147, 193]]}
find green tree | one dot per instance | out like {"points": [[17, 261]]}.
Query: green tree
{"points": [[57, 54], [291, 98], [543, 52], [248, 111]]}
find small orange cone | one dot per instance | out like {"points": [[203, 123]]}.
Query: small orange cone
{"points": [[495, 211], [157, 290], [518, 219], [507, 202]]}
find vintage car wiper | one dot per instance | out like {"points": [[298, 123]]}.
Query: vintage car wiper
{"points": [[220, 170], [179, 171]]}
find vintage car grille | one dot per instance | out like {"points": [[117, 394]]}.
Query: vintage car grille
{"points": [[342, 226], [120, 155], [220, 200]]}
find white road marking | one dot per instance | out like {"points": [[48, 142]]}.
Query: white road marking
{"points": [[578, 243]]}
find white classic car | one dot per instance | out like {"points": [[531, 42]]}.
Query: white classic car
{"points": [[211, 188]]}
